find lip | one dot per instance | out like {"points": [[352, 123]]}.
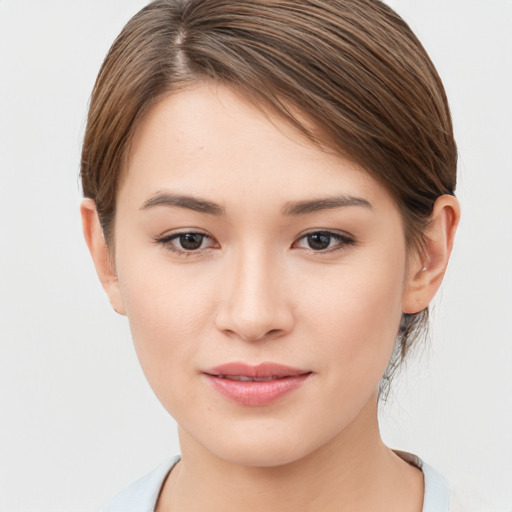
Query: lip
{"points": [[256, 385]]}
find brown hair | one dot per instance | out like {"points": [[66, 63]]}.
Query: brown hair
{"points": [[352, 68]]}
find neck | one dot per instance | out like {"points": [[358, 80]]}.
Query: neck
{"points": [[353, 471]]}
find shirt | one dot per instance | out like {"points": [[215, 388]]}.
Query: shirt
{"points": [[142, 495]]}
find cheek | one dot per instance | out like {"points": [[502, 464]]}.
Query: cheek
{"points": [[167, 312], [358, 314]]}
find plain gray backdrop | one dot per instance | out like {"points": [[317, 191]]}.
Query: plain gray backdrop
{"points": [[78, 421]]}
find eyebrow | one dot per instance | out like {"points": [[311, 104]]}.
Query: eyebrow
{"points": [[182, 201], [328, 203], [290, 208]]}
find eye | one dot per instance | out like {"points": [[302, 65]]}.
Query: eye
{"points": [[187, 242], [190, 241], [324, 241]]}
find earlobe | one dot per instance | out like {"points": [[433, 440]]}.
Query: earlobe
{"points": [[427, 269], [100, 254]]}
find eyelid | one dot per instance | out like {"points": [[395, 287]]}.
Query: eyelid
{"points": [[344, 240], [167, 238]]}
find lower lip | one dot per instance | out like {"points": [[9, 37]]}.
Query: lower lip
{"points": [[256, 393]]}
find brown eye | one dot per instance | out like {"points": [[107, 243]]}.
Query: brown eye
{"points": [[324, 241], [187, 243], [191, 241], [319, 241]]}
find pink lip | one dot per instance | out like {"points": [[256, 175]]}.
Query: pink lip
{"points": [[274, 381]]}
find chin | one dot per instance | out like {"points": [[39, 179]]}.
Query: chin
{"points": [[263, 455], [263, 443]]}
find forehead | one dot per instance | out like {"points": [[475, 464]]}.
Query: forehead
{"points": [[208, 139]]}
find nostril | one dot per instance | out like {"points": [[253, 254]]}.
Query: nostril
{"points": [[272, 333], [253, 336]]}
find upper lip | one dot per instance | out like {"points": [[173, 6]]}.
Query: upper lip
{"points": [[261, 371]]}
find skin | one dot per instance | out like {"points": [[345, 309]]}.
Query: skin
{"points": [[255, 290]]}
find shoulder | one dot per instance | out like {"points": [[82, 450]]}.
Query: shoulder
{"points": [[141, 495], [438, 497], [437, 491]]}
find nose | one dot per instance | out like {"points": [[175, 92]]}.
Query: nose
{"points": [[253, 301]]}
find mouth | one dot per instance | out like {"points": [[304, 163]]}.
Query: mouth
{"points": [[243, 378], [255, 385]]}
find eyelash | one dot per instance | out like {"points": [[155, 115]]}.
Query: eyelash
{"points": [[343, 241], [167, 242]]}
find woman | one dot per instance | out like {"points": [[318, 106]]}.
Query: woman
{"points": [[269, 199]]}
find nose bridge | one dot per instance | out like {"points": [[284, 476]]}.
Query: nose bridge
{"points": [[254, 306]]}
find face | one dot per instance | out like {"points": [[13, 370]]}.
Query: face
{"points": [[262, 277]]}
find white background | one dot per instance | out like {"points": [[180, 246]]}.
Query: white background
{"points": [[78, 421]]}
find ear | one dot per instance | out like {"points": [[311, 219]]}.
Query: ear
{"points": [[100, 253], [427, 268]]}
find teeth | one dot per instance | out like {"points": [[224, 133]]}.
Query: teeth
{"points": [[243, 378]]}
